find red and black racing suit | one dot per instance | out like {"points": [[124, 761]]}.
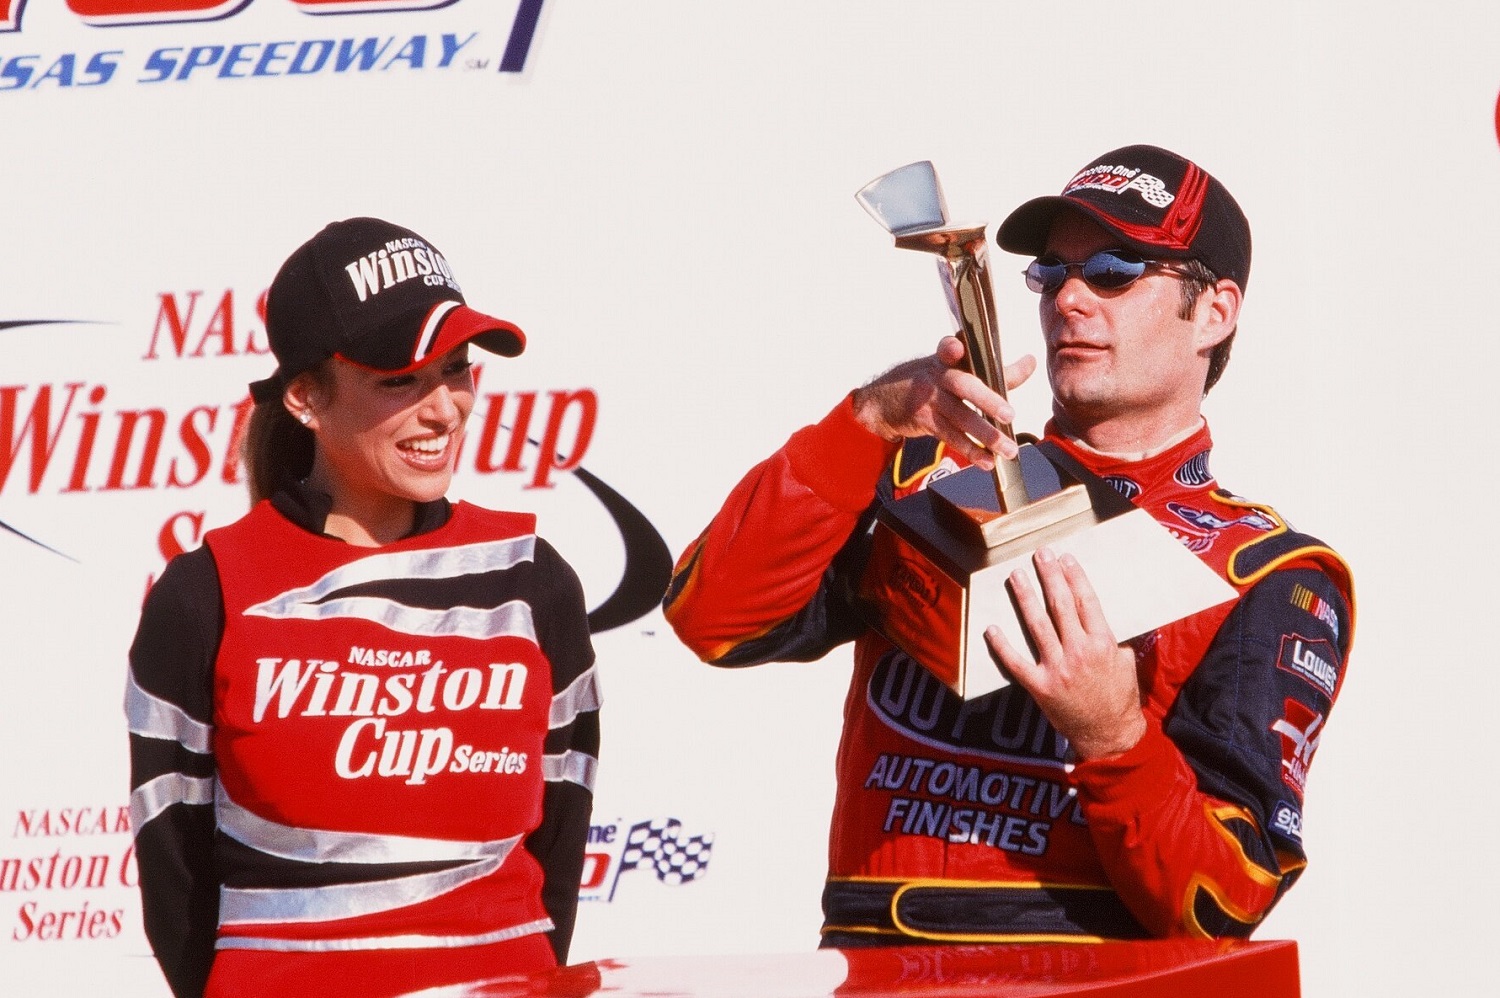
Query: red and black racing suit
{"points": [[968, 821]]}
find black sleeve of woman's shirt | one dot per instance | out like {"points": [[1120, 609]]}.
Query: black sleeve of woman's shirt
{"points": [[169, 708], [572, 746]]}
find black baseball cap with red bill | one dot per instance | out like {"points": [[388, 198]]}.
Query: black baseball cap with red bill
{"points": [[1157, 204], [374, 294]]}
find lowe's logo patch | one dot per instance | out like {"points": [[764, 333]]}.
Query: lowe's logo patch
{"points": [[1310, 659]]}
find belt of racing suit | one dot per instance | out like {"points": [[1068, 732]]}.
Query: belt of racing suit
{"points": [[859, 913]]}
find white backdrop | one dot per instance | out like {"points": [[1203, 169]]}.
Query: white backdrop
{"points": [[663, 199]]}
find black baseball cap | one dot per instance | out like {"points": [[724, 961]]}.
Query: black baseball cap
{"points": [[1156, 202], [375, 294]]}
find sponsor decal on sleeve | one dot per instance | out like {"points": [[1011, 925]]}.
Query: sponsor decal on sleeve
{"points": [[1301, 729], [1310, 659], [1305, 599], [1287, 820]]}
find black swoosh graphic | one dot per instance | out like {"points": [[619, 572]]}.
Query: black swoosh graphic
{"points": [[648, 562], [16, 324], [26, 537]]}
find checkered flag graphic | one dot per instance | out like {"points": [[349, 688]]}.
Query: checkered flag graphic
{"points": [[659, 846]]}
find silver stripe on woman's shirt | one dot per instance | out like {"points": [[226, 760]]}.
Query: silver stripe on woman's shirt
{"points": [[384, 942], [322, 903], [154, 796], [313, 845], [581, 695], [511, 619], [428, 563], [291, 905], [572, 766], [150, 716]]}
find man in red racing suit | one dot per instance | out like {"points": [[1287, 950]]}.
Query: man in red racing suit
{"points": [[1153, 788]]}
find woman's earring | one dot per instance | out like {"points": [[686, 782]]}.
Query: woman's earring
{"points": [[304, 417]]}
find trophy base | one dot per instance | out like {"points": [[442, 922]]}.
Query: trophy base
{"points": [[932, 586], [966, 504]]}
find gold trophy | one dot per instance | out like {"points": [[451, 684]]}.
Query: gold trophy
{"points": [[940, 558]]}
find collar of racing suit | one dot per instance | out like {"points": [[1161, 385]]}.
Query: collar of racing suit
{"points": [[1184, 461]]}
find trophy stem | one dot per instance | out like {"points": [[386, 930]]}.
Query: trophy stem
{"points": [[963, 263]]}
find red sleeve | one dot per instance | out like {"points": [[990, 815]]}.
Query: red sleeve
{"points": [[1163, 842], [1199, 825], [763, 558]]}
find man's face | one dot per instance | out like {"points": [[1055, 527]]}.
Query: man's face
{"points": [[1121, 355]]}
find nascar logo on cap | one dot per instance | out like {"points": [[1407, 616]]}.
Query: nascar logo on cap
{"points": [[398, 261]]}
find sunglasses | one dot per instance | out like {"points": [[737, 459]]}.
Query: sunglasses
{"points": [[1106, 270]]}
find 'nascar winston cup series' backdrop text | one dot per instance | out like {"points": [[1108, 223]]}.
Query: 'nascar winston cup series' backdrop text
{"points": [[661, 194]]}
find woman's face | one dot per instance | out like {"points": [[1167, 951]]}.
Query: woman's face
{"points": [[387, 441]]}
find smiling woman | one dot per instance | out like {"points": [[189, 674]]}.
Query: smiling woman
{"points": [[315, 820], [384, 442]]}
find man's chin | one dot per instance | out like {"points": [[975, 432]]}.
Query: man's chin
{"points": [[1077, 394], [1079, 409]]}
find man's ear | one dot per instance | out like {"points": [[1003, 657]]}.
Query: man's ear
{"points": [[1222, 314]]}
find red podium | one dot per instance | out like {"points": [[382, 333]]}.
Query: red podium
{"points": [[1217, 968]]}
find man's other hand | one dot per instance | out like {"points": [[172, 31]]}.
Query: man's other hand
{"points": [[1083, 680]]}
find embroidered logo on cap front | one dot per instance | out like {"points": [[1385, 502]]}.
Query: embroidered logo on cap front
{"points": [[398, 261], [1118, 180]]}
